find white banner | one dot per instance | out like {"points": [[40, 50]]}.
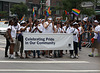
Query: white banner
{"points": [[54, 41]]}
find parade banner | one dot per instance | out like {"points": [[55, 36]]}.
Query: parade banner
{"points": [[41, 41]]}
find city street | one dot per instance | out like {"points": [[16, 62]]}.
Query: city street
{"points": [[84, 64]]}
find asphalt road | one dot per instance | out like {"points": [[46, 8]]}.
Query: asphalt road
{"points": [[84, 64]]}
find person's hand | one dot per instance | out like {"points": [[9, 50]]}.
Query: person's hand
{"points": [[53, 23], [27, 25]]}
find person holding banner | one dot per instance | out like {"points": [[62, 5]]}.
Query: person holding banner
{"points": [[23, 28], [58, 30], [36, 29], [70, 30], [49, 28]]}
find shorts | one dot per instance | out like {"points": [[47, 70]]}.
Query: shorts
{"points": [[14, 41], [96, 44], [17, 46]]}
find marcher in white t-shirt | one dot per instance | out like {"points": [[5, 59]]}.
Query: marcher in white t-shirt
{"points": [[36, 29], [96, 43], [17, 44], [49, 28], [12, 34], [75, 40], [24, 28]]}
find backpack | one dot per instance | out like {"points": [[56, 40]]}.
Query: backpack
{"points": [[6, 35]]}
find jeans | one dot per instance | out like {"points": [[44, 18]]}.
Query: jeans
{"points": [[7, 46], [75, 49], [38, 53], [80, 42]]}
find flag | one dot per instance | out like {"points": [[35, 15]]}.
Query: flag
{"points": [[48, 12], [34, 13], [76, 11], [66, 13], [22, 18]]}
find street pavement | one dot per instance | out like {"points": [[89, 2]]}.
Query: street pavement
{"points": [[84, 64]]}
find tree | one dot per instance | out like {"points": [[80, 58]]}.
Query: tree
{"points": [[3, 14], [19, 9], [70, 4]]}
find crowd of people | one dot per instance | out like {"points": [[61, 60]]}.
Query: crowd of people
{"points": [[14, 43]]}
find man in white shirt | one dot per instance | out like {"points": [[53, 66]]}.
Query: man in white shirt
{"points": [[49, 28], [36, 29], [96, 43], [75, 40]]}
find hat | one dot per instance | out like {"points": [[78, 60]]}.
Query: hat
{"points": [[23, 22], [96, 21], [75, 23], [49, 18], [42, 20]]}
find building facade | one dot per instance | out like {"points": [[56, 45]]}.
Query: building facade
{"points": [[5, 5]]}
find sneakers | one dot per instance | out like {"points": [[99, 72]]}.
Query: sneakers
{"points": [[12, 57], [76, 57], [91, 55], [72, 57]]}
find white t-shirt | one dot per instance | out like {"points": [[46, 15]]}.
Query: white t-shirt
{"points": [[49, 29], [27, 29], [70, 30], [13, 31], [17, 27], [40, 26], [97, 28], [36, 31], [64, 28], [80, 29], [59, 29], [75, 37], [85, 18]]}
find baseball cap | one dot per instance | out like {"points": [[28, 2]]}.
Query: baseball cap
{"points": [[23, 22], [75, 23], [49, 18], [96, 21]]}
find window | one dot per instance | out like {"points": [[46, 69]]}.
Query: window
{"points": [[57, 12]]}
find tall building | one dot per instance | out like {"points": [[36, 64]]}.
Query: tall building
{"points": [[5, 5]]}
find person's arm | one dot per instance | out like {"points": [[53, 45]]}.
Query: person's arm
{"points": [[82, 31], [45, 25], [53, 27], [39, 30], [23, 29], [30, 28], [9, 33], [34, 28]]}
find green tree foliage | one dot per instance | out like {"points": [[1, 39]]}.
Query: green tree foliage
{"points": [[19, 9], [3, 14], [70, 4]]}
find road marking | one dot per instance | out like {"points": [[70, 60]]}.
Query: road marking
{"points": [[30, 70], [44, 62]]}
